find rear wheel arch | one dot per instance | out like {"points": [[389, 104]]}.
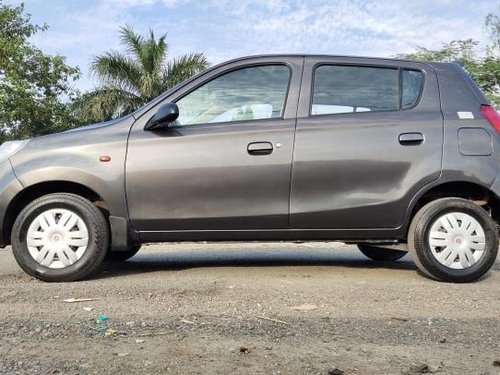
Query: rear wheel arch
{"points": [[471, 191]]}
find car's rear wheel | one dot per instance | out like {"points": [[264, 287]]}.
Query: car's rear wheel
{"points": [[380, 253], [453, 239], [60, 237], [122, 256]]}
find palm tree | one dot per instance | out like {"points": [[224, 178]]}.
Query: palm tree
{"points": [[129, 80]]}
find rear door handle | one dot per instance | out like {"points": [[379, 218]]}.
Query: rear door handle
{"points": [[260, 148], [408, 139]]}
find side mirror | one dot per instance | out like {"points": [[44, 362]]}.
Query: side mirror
{"points": [[166, 114]]}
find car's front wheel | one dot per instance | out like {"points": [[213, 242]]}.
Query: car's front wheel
{"points": [[60, 237], [453, 239], [380, 253]]}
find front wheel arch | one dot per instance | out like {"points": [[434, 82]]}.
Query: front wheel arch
{"points": [[33, 192]]}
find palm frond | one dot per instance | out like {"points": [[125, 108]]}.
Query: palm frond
{"points": [[116, 69], [133, 42], [153, 54], [132, 78], [106, 103], [183, 67]]}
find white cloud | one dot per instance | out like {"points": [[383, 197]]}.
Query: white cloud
{"points": [[380, 28], [80, 34], [358, 27], [227, 28], [130, 3]]}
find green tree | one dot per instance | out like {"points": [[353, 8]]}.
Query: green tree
{"points": [[484, 69], [35, 88], [131, 79], [492, 25], [461, 51]]}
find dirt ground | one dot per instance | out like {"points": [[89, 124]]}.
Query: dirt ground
{"points": [[312, 308]]}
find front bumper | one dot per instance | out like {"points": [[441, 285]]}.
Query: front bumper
{"points": [[9, 188]]}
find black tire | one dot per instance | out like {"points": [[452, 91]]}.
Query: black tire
{"points": [[420, 249], [381, 254], [122, 256], [98, 237]]}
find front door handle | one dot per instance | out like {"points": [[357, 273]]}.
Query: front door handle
{"points": [[260, 148], [409, 139]]}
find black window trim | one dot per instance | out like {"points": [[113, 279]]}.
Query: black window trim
{"points": [[400, 86], [224, 72]]}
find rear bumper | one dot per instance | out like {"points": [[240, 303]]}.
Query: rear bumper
{"points": [[9, 188]]}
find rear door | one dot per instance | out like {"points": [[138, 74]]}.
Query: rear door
{"points": [[369, 136]]}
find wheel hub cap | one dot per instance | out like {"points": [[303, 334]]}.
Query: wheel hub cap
{"points": [[57, 238], [457, 240]]}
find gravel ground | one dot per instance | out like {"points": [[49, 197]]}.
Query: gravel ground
{"points": [[311, 308]]}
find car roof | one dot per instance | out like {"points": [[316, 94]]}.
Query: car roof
{"points": [[319, 56]]}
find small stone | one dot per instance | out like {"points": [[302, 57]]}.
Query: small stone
{"points": [[420, 369], [335, 371], [111, 331], [245, 349], [305, 307]]}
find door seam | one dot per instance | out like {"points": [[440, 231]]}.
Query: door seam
{"points": [[290, 187]]}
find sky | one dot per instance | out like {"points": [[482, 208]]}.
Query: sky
{"points": [[224, 29]]}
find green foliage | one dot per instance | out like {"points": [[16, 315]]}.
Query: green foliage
{"points": [[492, 25], [485, 70], [131, 79], [32, 84], [490, 68], [456, 51]]}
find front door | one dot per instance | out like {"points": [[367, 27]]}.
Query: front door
{"points": [[369, 137], [225, 163]]}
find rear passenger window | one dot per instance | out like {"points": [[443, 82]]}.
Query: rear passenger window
{"points": [[349, 89], [412, 83]]}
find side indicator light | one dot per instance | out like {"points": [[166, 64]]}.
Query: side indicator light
{"points": [[104, 158]]}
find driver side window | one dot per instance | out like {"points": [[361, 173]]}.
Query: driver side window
{"points": [[251, 93]]}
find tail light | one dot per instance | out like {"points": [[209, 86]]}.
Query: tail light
{"points": [[491, 115]]}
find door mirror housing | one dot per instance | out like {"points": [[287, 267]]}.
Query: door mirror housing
{"points": [[166, 114]]}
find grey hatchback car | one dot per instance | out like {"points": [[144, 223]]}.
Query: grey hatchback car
{"points": [[395, 156]]}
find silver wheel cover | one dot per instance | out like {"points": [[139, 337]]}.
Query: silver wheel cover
{"points": [[457, 240], [57, 238]]}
